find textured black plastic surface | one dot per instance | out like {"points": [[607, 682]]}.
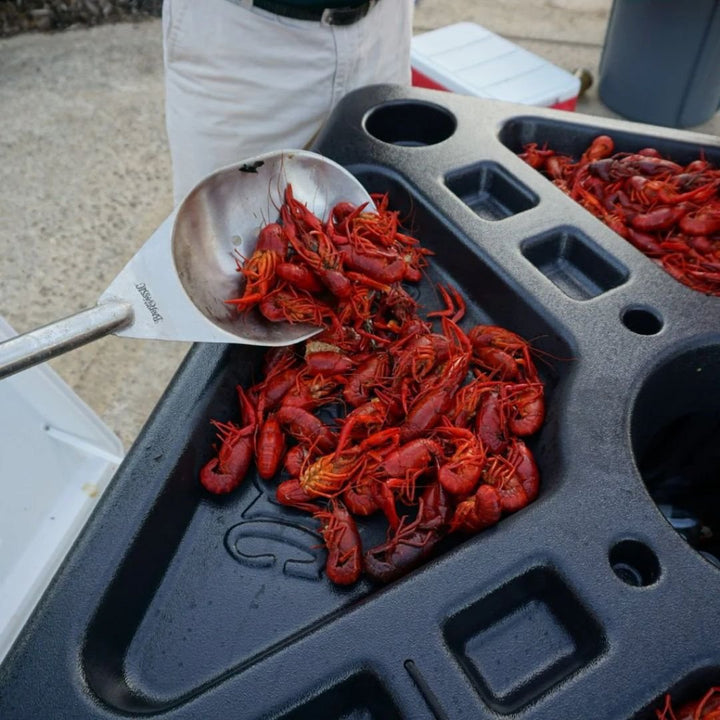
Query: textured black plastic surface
{"points": [[587, 604]]}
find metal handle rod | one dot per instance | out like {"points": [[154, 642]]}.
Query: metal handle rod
{"points": [[49, 341]]}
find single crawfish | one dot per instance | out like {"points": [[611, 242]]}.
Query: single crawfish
{"points": [[404, 465], [290, 493], [306, 428], [502, 354], [519, 456], [381, 266], [645, 242], [535, 156], [556, 166], [462, 462], [260, 268], [524, 407], [329, 474], [280, 373], [644, 164], [467, 401], [436, 507], [342, 540], [297, 216], [404, 551], [299, 276], [516, 479], [371, 373], [287, 303], [272, 237], [259, 272], [328, 362], [601, 147], [341, 216], [296, 458], [367, 490], [491, 419], [311, 391], [223, 473], [477, 512], [660, 218], [416, 356], [269, 448], [364, 420], [651, 192], [361, 496], [701, 222], [411, 542], [431, 404]]}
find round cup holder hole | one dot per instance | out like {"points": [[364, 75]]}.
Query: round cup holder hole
{"points": [[634, 563], [642, 321], [410, 124], [675, 435]]}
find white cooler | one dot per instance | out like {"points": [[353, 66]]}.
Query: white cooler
{"points": [[56, 459], [468, 59]]}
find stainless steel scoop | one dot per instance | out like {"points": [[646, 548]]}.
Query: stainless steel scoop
{"points": [[175, 286]]}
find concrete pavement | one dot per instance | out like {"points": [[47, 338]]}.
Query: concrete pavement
{"points": [[85, 173]]}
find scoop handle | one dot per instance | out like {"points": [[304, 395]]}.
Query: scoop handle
{"points": [[36, 346]]}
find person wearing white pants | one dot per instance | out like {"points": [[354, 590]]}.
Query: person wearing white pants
{"points": [[245, 77]]}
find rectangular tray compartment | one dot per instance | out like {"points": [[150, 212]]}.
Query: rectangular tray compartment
{"points": [[360, 697], [574, 263], [521, 639], [490, 191]]}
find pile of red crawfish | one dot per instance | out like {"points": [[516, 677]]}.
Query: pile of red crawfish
{"points": [[380, 413], [668, 211], [705, 708]]}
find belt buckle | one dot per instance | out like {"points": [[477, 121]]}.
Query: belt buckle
{"points": [[346, 15]]}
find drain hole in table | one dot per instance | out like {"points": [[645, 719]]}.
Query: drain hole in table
{"points": [[411, 124], [634, 563], [574, 263], [642, 321], [522, 639], [490, 191], [675, 433]]}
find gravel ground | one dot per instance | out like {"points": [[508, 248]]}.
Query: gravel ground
{"points": [[47, 15]]}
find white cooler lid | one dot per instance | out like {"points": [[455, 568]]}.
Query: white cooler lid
{"points": [[468, 59], [56, 459]]}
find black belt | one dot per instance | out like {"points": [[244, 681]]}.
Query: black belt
{"points": [[329, 16]]}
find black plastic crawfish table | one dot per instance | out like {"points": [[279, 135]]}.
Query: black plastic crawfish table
{"points": [[585, 605]]}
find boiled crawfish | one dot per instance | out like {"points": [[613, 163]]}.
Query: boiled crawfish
{"points": [[670, 212], [382, 413], [706, 708]]}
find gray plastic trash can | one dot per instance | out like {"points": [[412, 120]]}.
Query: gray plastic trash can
{"points": [[661, 61]]}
